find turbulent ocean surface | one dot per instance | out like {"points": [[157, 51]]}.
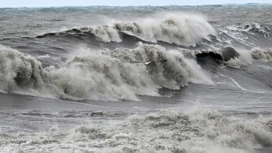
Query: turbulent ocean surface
{"points": [[173, 79]]}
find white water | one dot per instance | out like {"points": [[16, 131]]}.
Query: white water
{"points": [[194, 131], [186, 29], [101, 75], [243, 59], [122, 74]]}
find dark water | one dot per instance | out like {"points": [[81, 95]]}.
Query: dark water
{"points": [[136, 79]]}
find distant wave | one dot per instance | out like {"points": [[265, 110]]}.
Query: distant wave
{"points": [[246, 35], [181, 29], [171, 31]]}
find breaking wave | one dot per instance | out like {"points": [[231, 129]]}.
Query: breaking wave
{"points": [[262, 54], [180, 29], [224, 55], [115, 74], [234, 57], [246, 57], [109, 75]]}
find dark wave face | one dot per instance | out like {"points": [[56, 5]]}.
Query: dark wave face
{"points": [[102, 64]]}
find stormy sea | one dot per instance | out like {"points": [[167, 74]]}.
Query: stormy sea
{"points": [[101, 79]]}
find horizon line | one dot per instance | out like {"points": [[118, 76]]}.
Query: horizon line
{"points": [[224, 4]]}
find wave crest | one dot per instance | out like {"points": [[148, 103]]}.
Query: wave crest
{"points": [[262, 54], [119, 74], [180, 29]]}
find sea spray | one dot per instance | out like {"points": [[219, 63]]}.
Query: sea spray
{"points": [[102, 75], [182, 29]]}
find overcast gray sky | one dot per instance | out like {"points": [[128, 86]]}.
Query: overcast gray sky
{"points": [[48, 3]]}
